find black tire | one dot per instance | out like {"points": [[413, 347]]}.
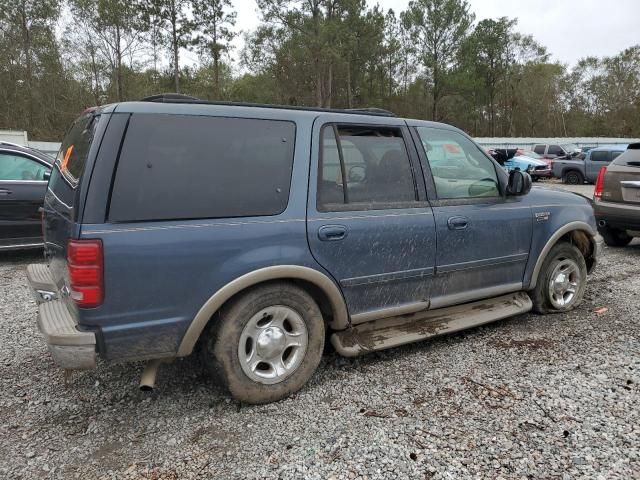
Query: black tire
{"points": [[541, 295], [222, 342], [615, 238], [573, 177]]}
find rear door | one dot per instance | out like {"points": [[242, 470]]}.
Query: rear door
{"points": [[483, 237], [594, 161], [22, 187], [368, 220], [555, 151]]}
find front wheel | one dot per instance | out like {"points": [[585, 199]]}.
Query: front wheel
{"points": [[561, 281], [266, 345], [615, 238]]}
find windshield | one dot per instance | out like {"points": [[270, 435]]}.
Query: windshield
{"points": [[570, 147]]}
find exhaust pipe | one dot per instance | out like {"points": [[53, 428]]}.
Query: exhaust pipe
{"points": [[148, 378], [602, 223]]}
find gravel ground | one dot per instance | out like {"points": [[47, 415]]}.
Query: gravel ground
{"points": [[529, 397]]}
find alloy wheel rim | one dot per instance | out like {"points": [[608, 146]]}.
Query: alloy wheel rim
{"points": [[273, 344], [564, 283]]}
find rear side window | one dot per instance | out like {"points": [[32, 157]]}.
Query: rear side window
{"points": [[600, 156], [183, 167], [555, 150], [16, 167], [539, 149], [75, 148], [375, 164]]}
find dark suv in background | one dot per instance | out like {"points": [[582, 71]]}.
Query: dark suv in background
{"points": [[24, 173], [617, 198], [248, 231]]}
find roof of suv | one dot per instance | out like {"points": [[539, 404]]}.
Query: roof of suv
{"points": [[615, 148]]}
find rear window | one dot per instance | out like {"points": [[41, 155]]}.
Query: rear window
{"points": [[187, 167]]}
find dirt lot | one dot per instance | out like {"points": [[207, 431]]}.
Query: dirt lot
{"points": [[528, 397]]}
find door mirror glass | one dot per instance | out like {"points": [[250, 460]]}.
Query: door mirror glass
{"points": [[519, 183]]}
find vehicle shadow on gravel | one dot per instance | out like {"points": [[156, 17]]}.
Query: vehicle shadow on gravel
{"points": [[21, 257]]}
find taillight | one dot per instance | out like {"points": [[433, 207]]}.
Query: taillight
{"points": [[85, 265], [597, 191]]}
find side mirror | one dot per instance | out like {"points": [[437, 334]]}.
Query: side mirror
{"points": [[519, 183], [46, 175]]}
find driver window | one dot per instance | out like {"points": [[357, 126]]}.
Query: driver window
{"points": [[375, 164], [458, 166], [16, 167]]}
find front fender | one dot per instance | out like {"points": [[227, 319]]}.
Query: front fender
{"points": [[559, 215]]}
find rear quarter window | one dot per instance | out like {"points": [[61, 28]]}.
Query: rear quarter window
{"points": [[188, 167], [628, 158]]}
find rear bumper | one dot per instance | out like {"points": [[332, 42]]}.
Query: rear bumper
{"points": [[69, 347], [621, 216]]}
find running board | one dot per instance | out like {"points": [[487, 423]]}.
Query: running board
{"points": [[395, 331]]}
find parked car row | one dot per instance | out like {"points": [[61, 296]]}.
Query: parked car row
{"points": [[569, 163]]}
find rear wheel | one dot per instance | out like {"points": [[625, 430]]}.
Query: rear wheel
{"points": [[615, 238], [573, 177], [561, 281], [266, 345]]}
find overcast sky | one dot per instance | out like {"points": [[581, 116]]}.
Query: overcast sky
{"points": [[570, 29]]}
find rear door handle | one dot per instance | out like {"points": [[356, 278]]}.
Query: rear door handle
{"points": [[331, 233], [4, 191], [458, 223]]}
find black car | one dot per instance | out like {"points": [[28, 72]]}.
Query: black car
{"points": [[24, 173]]}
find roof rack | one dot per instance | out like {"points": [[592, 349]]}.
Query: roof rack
{"points": [[180, 98], [168, 97]]}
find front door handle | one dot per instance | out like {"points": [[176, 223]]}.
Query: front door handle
{"points": [[458, 223], [331, 233], [4, 191]]}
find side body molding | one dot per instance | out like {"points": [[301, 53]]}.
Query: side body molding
{"points": [[281, 272], [568, 228]]}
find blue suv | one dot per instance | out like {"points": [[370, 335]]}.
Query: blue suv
{"points": [[251, 233]]}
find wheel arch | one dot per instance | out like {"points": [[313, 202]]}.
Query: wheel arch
{"points": [[579, 234], [323, 290]]}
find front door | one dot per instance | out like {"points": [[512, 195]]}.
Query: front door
{"points": [[22, 189], [483, 237], [369, 224]]}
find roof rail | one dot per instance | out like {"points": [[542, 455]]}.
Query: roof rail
{"points": [[180, 98], [170, 97], [11, 144], [371, 111]]}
